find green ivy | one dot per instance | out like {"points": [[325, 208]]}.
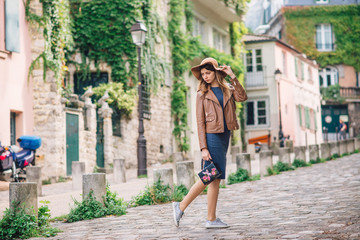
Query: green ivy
{"points": [[102, 35], [332, 93], [301, 24], [120, 99], [56, 23]]}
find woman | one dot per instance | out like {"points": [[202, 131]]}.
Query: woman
{"points": [[215, 116]]}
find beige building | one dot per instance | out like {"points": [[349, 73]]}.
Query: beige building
{"points": [[292, 94]]}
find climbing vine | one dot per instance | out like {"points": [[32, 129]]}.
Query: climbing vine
{"points": [[300, 31], [184, 48], [56, 24]]}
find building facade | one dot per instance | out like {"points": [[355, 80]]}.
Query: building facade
{"points": [[77, 128], [293, 93]]}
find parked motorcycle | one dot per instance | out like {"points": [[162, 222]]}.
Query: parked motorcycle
{"points": [[16, 162]]}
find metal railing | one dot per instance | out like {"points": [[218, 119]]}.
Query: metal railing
{"points": [[255, 79], [350, 92]]}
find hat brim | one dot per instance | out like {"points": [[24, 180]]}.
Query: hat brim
{"points": [[196, 70]]}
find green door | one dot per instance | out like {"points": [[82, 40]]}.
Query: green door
{"points": [[72, 141], [99, 141], [331, 114]]}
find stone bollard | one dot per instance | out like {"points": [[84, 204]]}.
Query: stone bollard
{"points": [[95, 182], [177, 157], [284, 155], [165, 175], [342, 147], [78, 169], [313, 152], [350, 145], [289, 144], [300, 153], [265, 162], [275, 147], [325, 150], [234, 151], [24, 195], [357, 143], [243, 161], [185, 173], [33, 174], [119, 170], [334, 148]]}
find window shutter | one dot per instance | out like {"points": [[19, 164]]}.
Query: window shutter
{"points": [[296, 68], [12, 31], [307, 118], [315, 120], [300, 117]]}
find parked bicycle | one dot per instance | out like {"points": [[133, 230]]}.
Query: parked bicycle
{"points": [[14, 161]]}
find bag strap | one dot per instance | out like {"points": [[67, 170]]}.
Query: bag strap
{"points": [[202, 163]]}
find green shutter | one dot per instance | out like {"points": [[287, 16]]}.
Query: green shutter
{"points": [[315, 120], [300, 117], [296, 68], [307, 118], [302, 71]]}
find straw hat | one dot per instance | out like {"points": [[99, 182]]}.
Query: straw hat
{"points": [[196, 70]]}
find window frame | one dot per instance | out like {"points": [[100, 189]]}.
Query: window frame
{"points": [[220, 43], [256, 124], [321, 1], [254, 58], [323, 38], [198, 22], [334, 76]]}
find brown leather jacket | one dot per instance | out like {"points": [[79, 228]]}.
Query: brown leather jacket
{"points": [[209, 114]]}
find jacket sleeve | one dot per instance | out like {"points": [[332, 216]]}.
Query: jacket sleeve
{"points": [[200, 120], [239, 92]]}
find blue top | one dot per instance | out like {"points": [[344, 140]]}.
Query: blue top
{"points": [[220, 96]]}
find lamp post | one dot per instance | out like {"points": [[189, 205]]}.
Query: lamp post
{"points": [[138, 32], [281, 134]]}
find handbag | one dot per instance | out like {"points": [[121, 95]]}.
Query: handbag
{"points": [[208, 174]]}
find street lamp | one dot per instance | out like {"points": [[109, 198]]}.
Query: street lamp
{"points": [[281, 134], [138, 32]]}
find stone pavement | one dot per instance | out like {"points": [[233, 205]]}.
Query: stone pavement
{"points": [[317, 202]]}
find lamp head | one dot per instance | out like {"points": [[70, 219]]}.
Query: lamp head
{"points": [[138, 32]]}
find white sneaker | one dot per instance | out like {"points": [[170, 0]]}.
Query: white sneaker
{"points": [[177, 213], [216, 224]]}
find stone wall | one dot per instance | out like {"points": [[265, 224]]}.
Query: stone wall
{"points": [[354, 118]]}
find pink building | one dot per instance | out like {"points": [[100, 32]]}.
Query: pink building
{"points": [[292, 94], [15, 58]]}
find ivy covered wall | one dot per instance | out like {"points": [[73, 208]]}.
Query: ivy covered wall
{"points": [[300, 29]]}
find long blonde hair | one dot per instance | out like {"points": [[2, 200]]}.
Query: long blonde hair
{"points": [[203, 86]]}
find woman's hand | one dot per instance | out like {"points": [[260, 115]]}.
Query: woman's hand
{"points": [[205, 154], [227, 70]]}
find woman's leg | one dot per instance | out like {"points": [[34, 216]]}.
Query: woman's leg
{"points": [[195, 190], [212, 197]]}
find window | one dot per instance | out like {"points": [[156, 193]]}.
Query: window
{"points": [[279, 35], [328, 77], [324, 38], [310, 76], [257, 113], [116, 122], [219, 41], [284, 63], [296, 68], [302, 71], [12, 32], [94, 80], [254, 60], [300, 115], [307, 118], [199, 29], [322, 1], [12, 128]]}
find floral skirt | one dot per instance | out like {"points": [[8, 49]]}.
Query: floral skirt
{"points": [[218, 144]]}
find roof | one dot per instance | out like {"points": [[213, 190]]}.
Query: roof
{"points": [[257, 38]]}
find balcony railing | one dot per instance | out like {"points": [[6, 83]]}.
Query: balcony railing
{"points": [[255, 79], [350, 92]]}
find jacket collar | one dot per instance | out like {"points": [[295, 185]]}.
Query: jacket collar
{"points": [[211, 96]]}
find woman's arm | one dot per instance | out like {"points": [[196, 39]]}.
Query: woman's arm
{"points": [[200, 120], [239, 92]]}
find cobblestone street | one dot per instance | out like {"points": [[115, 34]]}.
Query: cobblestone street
{"points": [[317, 202]]}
